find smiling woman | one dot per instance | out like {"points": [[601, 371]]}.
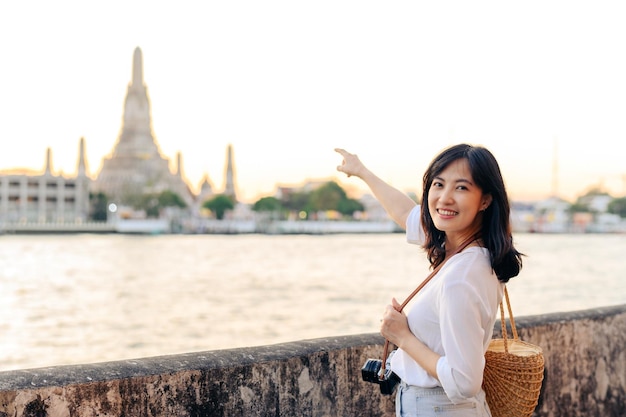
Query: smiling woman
{"points": [[466, 225]]}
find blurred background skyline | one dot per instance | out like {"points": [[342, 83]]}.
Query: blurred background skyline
{"points": [[541, 84]]}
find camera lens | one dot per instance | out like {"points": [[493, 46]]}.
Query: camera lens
{"points": [[370, 370]]}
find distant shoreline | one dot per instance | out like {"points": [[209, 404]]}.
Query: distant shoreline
{"points": [[229, 227], [163, 226]]}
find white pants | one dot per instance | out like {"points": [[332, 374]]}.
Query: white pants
{"points": [[412, 401]]}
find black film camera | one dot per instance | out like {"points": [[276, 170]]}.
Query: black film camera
{"points": [[371, 373]]}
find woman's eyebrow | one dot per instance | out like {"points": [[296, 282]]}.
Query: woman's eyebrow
{"points": [[460, 180]]}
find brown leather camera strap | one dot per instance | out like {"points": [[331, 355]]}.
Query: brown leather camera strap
{"points": [[462, 246]]}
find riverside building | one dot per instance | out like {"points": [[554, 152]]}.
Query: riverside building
{"points": [[27, 197]]}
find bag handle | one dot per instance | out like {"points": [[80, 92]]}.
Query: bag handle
{"points": [[503, 321], [381, 374]]}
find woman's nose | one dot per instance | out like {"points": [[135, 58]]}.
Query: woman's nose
{"points": [[446, 194]]}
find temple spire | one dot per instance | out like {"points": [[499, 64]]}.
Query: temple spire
{"points": [[137, 80], [179, 164], [82, 164], [229, 175], [48, 169]]}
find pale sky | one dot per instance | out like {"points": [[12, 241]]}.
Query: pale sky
{"points": [[285, 82]]}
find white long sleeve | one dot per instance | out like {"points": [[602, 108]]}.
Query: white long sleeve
{"points": [[453, 315]]}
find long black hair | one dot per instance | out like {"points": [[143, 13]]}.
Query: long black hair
{"points": [[496, 231]]}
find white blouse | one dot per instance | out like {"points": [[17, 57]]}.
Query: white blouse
{"points": [[453, 315]]}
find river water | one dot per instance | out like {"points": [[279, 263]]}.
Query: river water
{"points": [[68, 299]]}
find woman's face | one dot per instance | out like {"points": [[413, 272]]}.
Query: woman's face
{"points": [[455, 201]]}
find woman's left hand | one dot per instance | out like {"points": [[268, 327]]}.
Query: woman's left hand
{"points": [[394, 325]]}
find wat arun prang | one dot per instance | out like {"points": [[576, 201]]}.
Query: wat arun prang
{"points": [[136, 165]]}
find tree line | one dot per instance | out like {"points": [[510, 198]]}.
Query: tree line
{"points": [[305, 204]]}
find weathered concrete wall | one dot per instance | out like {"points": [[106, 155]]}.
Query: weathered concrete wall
{"points": [[585, 354], [585, 376]]}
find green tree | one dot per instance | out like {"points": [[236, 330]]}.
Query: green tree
{"points": [[584, 202], [296, 201], [327, 197], [270, 208], [268, 204], [150, 204], [98, 203], [618, 206], [331, 196], [348, 206], [219, 205], [169, 198]]}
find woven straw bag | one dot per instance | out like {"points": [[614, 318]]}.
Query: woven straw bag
{"points": [[513, 372]]}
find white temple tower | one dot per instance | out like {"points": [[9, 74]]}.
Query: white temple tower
{"points": [[136, 166], [229, 175]]}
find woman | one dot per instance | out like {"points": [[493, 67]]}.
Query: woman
{"points": [[442, 340]]}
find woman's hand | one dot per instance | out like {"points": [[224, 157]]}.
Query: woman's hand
{"points": [[396, 203], [394, 326], [351, 164]]}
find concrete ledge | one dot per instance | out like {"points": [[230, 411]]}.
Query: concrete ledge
{"points": [[585, 376], [300, 378], [168, 364]]}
